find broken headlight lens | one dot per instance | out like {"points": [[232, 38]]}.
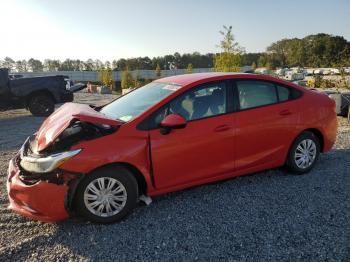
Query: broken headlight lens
{"points": [[48, 163]]}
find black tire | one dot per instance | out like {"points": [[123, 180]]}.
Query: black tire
{"points": [[291, 162], [124, 177], [41, 105]]}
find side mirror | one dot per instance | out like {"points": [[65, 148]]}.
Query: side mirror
{"points": [[172, 121]]}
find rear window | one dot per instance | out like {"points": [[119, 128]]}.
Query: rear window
{"points": [[284, 93], [287, 93], [256, 93]]}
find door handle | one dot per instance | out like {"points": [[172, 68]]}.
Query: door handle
{"points": [[222, 128], [285, 112]]}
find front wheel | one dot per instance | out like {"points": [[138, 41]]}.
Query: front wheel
{"points": [[304, 153], [107, 195]]}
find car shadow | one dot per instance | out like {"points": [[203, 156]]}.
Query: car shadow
{"points": [[252, 215]]}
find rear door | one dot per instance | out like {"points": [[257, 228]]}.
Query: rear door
{"points": [[266, 121], [205, 147]]}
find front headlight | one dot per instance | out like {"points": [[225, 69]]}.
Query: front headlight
{"points": [[46, 164]]}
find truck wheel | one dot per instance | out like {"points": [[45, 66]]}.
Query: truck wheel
{"points": [[41, 105]]}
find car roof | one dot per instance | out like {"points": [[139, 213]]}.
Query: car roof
{"points": [[187, 79]]}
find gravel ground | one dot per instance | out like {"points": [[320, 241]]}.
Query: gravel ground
{"points": [[268, 216]]}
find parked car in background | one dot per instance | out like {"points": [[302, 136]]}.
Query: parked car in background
{"points": [[174, 133], [326, 72], [309, 71], [318, 71], [293, 76], [335, 71], [342, 102], [262, 70], [38, 94], [281, 71]]}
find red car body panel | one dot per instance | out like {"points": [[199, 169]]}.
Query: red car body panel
{"points": [[54, 125], [130, 149], [318, 112], [42, 201], [259, 143], [206, 150], [187, 155]]}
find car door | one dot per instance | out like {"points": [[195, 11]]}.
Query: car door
{"points": [[205, 147], [266, 123]]}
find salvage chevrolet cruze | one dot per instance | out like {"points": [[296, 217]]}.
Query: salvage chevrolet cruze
{"points": [[174, 133]]}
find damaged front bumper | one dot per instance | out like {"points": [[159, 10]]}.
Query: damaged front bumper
{"points": [[45, 199]]}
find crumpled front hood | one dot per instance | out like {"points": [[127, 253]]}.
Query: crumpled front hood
{"points": [[57, 122]]}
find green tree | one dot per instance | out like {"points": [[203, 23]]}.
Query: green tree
{"points": [[189, 69], [51, 65], [35, 65], [98, 64], [105, 76], [67, 65], [158, 71], [262, 61], [24, 65], [268, 66], [114, 64], [78, 65], [320, 50], [253, 65], [108, 65], [250, 58], [9, 63], [137, 81], [89, 65], [229, 60], [127, 81], [20, 67]]}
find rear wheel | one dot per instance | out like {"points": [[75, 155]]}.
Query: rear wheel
{"points": [[304, 153], [107, 195], [41, 105]]}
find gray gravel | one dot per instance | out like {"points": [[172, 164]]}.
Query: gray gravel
{"points": [[268, 216]]}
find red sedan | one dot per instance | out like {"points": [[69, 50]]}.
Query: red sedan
{"points": [[171, 134]]}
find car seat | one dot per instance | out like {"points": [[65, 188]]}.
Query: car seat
{"points": [[183, 107], [217, 102], [200, 108]]}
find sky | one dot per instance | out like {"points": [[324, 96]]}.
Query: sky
{"points": [[113, 29]]}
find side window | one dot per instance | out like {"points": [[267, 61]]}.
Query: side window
{"points": [[154, 119], [255, 93], [200, 102], [284, 93]]}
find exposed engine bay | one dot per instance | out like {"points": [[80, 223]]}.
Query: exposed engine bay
{"points": [[76, 132], [42, 165]]}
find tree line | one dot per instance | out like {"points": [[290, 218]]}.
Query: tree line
{"points": [[320, 50], [139, 63]]}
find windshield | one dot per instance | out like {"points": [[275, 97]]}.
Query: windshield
{"points": [[133, 104]]}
